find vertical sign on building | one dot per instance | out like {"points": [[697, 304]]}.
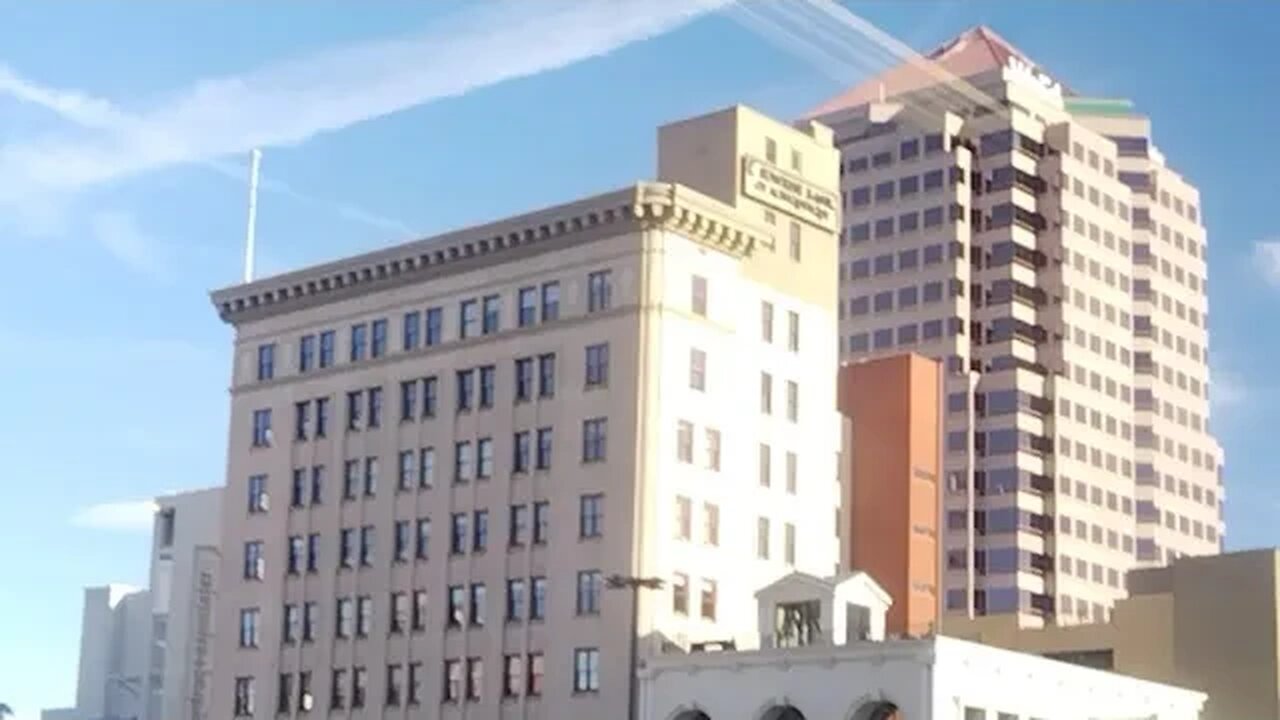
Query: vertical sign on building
{"points": [[199, 668]]}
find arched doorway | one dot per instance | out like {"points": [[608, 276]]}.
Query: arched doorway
{"points": [[782, 712], [878, 710], [692, 715]]}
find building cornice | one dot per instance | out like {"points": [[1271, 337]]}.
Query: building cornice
{"points": [[649, 205]]}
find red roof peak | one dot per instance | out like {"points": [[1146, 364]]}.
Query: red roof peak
{"points": [[974, 51]]}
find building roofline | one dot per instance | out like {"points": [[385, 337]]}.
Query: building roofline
{"points": [[644, 204]]}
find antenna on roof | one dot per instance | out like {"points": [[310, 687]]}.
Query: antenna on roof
{"points": [[255, 160]]}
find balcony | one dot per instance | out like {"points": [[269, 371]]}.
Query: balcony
{"points": [[1041, 564], [1029, 219], [1042, 483]]}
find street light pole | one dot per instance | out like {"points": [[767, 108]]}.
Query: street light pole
{"points": [[635, 585]]}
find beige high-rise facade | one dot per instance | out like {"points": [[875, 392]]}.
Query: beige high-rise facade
{"points": [[440, 452], [1035, 241]]}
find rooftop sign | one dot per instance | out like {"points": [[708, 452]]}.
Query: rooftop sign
{"points": [[1033, 75], [766, 183]]}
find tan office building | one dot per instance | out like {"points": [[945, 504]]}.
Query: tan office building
{"points": [[439, 452], [1205, 623], [1036, 242]]}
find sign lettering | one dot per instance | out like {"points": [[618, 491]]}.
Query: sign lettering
{"points": [[1033, 75], [794, 196]]}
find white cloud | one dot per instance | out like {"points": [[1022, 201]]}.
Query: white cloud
{"points": [[126, 516], [118, 233], [1266, 254], [290, 102]]}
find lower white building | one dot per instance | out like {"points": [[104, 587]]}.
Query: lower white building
{"points": [[145, 654], [821, 657]]}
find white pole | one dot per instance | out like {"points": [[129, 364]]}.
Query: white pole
{"points": [[255, 160]]}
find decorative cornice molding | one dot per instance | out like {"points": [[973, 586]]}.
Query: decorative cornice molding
{"points": [[649, 205]]}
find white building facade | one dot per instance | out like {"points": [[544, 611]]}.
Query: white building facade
{"points": [[145, 654], [828, 673]]}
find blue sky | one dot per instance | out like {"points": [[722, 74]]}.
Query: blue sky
{"points": [[123, 136]]}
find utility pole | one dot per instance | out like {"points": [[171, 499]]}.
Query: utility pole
{"points": [[635, 585]]}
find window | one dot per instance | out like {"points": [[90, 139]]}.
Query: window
{"points": [[257, 494], [477, 604], [795, 241], [684, 441], [708, 600], [359, 341], [366, 546], [517, 525], [262, 428], [684, 518], [399, 620], [528, 306], [370, 476], [766, 321], [590, 515], [289, 625], [484, 458], [711, 524], [791, 472], [359, 686], [550, 301], [766, 465], [538, 598], [412, 330], [457, 607], [680, 594], [430, 393], [245, 693], [249, 627], [328, 344], [762, 538], [338, 690], [475, 678], [698, 299], [422, 542], [255, 564], [543, 458], [547, 375], [463, 461], [793, 401], [480, 531], [521, 454], [594, 439], [355, 409], [395, 684], [599, 291], [713, 449], [524, 379], [379, 345], [515, 600], [533, 687], [468, 318], [344, 623], [697, 369], [458, 534], [590, 583], [415, 683], [306, 353], [400, 541], [427, 468], [418, 616], [346, 548], [266, 361], [766, 393], [597, 365], [293, 566], [586, 670], [487, 375], [452, 681], [793, 331], [466, 389], [541, 522], [492, 314], [434, 326], [406, 471], [375, 407], [408, 400], [789, 544], [512, 675]]}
